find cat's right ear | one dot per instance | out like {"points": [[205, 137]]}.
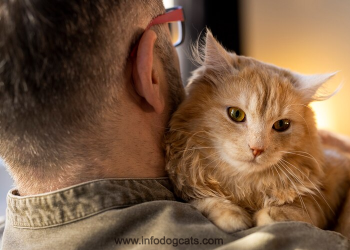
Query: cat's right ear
{"points": [[216, 58], [309, 85]]}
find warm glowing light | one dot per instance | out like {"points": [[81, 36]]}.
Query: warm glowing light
{"points": [[168, 3], [292, 35], [323, 118]]}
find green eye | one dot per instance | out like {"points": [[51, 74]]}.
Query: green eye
{"points": [[236, 114], [281, 125]]}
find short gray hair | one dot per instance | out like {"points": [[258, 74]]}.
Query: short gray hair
{"points": [[59, 65]]}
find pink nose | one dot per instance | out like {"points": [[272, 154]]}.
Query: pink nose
{"points": [[257, 151]]}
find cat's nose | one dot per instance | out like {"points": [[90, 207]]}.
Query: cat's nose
{"points": [[256, 151]]}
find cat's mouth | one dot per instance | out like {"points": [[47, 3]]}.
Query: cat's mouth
{"points": [[255, 159], [260, 162]]}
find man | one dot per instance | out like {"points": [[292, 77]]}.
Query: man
{"points": [[86, 90]]}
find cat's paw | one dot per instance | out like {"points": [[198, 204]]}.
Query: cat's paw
{"points": [[225, 215], [270, 215], [262, 217], [230, 220]]}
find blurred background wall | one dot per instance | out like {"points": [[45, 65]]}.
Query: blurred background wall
{"points": [[310, 37]]}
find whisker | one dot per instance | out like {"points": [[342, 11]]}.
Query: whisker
{"points": [[298, 179], [317, 189], [272, 172], [215, 153], [299, 153], [296, 189], [282, 180]]}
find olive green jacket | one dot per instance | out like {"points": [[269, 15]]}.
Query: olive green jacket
{"points": [[137, 214]]}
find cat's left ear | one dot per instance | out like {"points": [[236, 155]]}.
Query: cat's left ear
{"points": [[308, 85], [216, 58]]}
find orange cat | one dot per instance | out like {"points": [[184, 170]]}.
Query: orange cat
{"points": [[243, 147]]}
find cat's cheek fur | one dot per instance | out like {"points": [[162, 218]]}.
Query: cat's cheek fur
{"points": [[225, 215]]}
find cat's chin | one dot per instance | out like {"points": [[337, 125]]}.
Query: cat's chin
{"points": [[254, 165]]}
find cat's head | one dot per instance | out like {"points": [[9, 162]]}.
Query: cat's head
{"points": [[252, 113]]}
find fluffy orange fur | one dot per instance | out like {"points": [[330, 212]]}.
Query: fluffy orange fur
{"points": [[209, 156]]}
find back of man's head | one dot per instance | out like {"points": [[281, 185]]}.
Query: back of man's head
{"points": [[60, 65]]}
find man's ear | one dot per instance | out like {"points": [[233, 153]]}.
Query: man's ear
{"points": [[145, 76]]}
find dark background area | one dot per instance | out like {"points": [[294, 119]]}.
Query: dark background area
{"points": [[222, 19]]}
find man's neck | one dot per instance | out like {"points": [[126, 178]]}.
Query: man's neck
{"points": [[132, 150]]}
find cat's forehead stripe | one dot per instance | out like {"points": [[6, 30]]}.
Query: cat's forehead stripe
{"points": [[253, 101], [265, 96]]}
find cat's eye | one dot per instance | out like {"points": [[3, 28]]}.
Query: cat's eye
{"points": [[281, 125], [236, 114]]}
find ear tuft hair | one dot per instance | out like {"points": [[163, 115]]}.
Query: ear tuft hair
{"points": [[208, 52], [310, 85]]}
